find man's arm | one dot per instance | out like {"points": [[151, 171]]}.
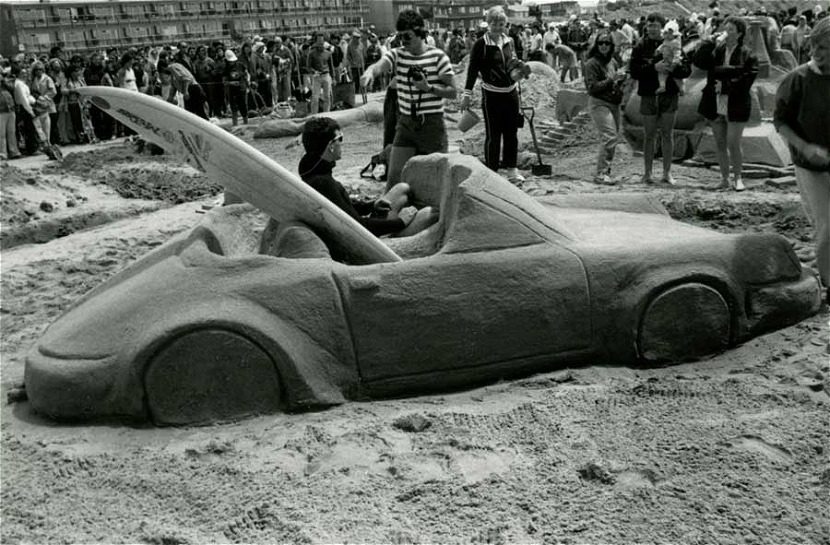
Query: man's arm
{"points": [[474, 65], [447, 88], [380, 67]]}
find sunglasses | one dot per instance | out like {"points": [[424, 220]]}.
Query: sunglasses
{"points": [[406, 35], [604, 43], [338, 138]]}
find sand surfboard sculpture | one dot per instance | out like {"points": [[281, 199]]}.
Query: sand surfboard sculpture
{"points": [[240, 168]]}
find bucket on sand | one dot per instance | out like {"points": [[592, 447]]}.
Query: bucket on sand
{"points": [[468, 120]]}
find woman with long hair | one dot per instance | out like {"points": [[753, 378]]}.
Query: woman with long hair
{"points": [[725, 101], [491, 58], [604, 80]]}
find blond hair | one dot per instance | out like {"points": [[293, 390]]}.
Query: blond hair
{"points": [[496, 13]]}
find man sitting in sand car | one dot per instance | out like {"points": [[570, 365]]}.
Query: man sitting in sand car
{"points": [[389, 215]]}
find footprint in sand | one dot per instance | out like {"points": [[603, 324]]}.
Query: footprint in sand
{"points": [[753, 443]]}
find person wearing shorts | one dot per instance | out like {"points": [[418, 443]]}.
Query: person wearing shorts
{"points": [[658, 109], [423, 78]]}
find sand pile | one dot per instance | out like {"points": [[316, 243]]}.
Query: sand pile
{"points": [[134, 175], [539, 90]]}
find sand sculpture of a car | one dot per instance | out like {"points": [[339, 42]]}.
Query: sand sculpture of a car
{"points": [[232, 319]]}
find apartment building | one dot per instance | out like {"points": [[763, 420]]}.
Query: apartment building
{"points": [[98, 24], [446, 14]]}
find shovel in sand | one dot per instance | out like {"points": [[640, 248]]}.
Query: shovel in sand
{"points": [[540, 169]]}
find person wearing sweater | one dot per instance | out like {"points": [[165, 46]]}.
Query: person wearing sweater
{"points": [[802, 118], [604, 79]]}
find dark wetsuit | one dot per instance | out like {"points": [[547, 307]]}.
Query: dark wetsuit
{"points": [[316, 172]]}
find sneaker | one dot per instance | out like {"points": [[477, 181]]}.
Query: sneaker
{"points": [[668, 179], [739, 185], [514, 177], [647, 179], [603, 179]]}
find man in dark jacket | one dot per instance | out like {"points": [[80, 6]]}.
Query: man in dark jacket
{"points": [[658, 109]]}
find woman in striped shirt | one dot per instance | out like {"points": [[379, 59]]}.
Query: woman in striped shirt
{"points": [[424, 77]]}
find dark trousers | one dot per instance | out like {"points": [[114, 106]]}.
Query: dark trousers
{"points": [[102, 123], [390, 115], [501, 118], [216, 98], [356, 73], [26, 129], [196, 102], [264, 88]]}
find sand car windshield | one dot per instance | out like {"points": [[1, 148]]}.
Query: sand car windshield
{"points": [[486, 217]]}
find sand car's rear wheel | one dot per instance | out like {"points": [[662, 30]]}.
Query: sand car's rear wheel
{"points": [[209, 375], [684, 322]]}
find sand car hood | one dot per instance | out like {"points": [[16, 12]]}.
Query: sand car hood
{"points": [[656, 240]]}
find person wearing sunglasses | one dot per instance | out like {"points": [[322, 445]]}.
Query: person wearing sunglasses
{"points": [[659, 110], [389, 215], [424, 78], [604, 80]]}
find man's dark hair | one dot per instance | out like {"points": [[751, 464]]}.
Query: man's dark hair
{"points": [[656, 17], [740, 25], [317, 133], [411, 20]]}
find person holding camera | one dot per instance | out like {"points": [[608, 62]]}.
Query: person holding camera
{"points": [[494, 58], [604, 81], [423, 77]]}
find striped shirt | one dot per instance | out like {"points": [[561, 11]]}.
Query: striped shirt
{"points": [[435, 63]]}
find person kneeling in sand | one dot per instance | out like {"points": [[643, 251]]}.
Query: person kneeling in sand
{"points": [[388, 215]]}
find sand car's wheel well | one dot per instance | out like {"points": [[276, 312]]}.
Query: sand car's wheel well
{"points": [[683, 322], [210, 374]]}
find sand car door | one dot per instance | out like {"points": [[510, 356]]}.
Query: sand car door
{"points": [[468, 307]]}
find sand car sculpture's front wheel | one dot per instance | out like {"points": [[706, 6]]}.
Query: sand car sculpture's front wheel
{"points": [[684, 322], [210, 375]]}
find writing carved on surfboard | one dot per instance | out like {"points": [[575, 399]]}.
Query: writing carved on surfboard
{"points": [[191, 146]]}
